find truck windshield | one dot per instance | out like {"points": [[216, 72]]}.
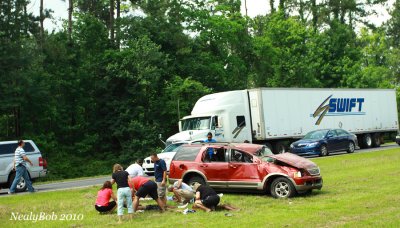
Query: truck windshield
{"points": [[198, 123], [172, 147], [320, 134]]}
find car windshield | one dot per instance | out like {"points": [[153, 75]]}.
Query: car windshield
{"points": [[172, 147], [320, 134], [198, 123], [265, 151]]}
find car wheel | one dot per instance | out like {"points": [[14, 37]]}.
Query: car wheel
{"points": [[351, 147], [281, 187], [21, 186], [324, 151], [279, 147], [376, 140], [196, 179]]}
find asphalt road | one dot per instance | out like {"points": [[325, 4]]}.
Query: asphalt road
{"points": [[82, 183]]}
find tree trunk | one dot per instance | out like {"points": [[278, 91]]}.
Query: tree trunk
{"points": [[70, 11], [117, 36], [17, 125], [245, 6], [314, 12], [271, 5], [112, 22], [41, 15]]}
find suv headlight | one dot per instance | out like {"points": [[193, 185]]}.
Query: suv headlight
{"points": [[291, 145], [297, 174]]}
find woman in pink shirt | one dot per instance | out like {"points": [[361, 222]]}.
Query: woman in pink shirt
{"points": [[103, 204]]}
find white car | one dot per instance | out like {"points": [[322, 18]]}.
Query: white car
{"points": [[167, 154]]}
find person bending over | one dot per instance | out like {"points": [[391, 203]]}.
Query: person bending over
{"points": [[143, 187], [206, 198]]}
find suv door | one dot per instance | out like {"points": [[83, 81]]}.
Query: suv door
{"points": [[243, 171], [215, 170]]}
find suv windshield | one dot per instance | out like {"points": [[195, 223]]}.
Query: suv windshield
{"points": [[198, 123], [316, 134]]}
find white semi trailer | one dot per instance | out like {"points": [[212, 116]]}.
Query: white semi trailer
{"points": [[278, 116]]}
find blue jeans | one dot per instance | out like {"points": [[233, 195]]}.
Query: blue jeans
{"points": [[124, 194], [21, 172]]}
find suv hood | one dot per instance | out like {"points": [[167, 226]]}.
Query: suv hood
{"points": [[188, 136], [294, 160]]}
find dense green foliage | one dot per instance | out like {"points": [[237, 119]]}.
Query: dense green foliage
{"points": [[102, 88]]}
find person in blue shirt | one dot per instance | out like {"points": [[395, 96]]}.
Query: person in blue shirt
{"points": [[160, 176], [210, 150]]}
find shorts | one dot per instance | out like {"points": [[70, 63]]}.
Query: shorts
{"points": [[210, 201], [162, 190], [107, 208], [148, 188], [185, 195]]}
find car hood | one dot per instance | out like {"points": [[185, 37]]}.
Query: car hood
{"points": [[294, 160]]}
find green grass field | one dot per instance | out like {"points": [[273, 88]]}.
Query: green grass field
{"points": [[360, 189]]}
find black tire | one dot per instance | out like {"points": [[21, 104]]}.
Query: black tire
{"points": [[282, 188], [279, 148], [323, 151], [376, 140], [366, 141], [21, 186], [196, 179], [351, 147]]}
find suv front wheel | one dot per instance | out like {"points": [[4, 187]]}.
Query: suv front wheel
{"points": [[281, 187]]}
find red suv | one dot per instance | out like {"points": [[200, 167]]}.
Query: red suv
{"points": [[244, 166]]}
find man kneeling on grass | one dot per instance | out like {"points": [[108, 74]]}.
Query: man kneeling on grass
{"points": [[143, 187], [206, 198], [183, 193]]}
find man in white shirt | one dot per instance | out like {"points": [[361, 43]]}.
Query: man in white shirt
{"points": [[135, 169], [183, 193]]}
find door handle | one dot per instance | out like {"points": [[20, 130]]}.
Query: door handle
{"points": [[232, 166], [203, 166]]}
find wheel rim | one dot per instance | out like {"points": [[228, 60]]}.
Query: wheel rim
{"points": [[21, 183], [324, 150], [281, 150], [368, 140], [351, 147], [282, 189]]}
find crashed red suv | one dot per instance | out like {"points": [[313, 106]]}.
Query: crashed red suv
{"points": [[244, 166]]}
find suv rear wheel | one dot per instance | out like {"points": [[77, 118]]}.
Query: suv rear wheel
{"points": [[196, 179], [281, 187]]}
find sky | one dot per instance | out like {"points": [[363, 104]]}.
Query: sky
{"points": [[254, 8]]}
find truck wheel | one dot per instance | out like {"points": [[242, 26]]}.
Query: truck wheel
{"points": [[366, 141], [376, 140], [269, 146], [196, 179], [21, 186], [324, 151], [280, 147], [281, 187], [351, 147]]}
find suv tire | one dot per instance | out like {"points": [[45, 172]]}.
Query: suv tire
{"points": [[282, 188], [196, 179]]}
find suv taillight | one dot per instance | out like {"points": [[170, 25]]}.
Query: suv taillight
{"points": [[42, 162]]}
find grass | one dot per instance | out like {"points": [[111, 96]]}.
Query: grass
{"points": [[360, 189]]}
